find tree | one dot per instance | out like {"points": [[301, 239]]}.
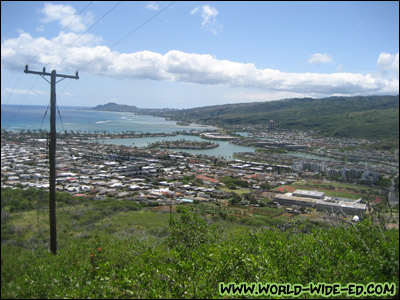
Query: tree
{"points": [[235, 199], [265, 186]]}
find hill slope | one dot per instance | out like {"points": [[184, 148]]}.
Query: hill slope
{"points": [[115, 249], [368, 117]]}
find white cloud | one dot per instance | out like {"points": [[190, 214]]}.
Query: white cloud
{"points": [[318, 58], [388, 62], [152, 6], [25, 92], [241, 97], [65, 15], [194, 10], [31, 92], [339, 68], [51, 52], [88, 56], [209, 17]]}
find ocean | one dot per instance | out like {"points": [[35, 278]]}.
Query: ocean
{"points": [[17, 117]]}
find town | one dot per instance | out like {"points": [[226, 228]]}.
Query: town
{"points": [[157, 177]]}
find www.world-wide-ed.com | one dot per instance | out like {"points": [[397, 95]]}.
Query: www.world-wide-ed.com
{"points": [[295, 290]]}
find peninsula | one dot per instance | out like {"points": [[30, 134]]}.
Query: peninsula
{"points": [[184, 144]]}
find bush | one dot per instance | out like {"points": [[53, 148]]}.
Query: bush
{"points": [[190, 257]]}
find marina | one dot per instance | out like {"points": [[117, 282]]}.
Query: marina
{"points": [[224, 150]]}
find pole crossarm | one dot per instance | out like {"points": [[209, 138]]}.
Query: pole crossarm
{"points": [[44, 73], [52, 149]]}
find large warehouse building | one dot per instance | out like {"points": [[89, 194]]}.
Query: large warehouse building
{"points": [[309, 194], [318, 201]]}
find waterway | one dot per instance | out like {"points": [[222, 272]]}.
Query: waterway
{"points": [[224, 150]]}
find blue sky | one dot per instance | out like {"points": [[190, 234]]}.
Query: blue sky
{"points": [[191, 54]]}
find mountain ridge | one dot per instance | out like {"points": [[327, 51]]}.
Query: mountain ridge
{"points": [[370, 117]]}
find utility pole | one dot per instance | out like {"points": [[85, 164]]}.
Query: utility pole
{"points": [[52, 149]]}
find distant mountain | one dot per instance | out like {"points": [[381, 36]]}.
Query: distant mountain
{"points": [[115, 107], [370, 117], [111, 106]]}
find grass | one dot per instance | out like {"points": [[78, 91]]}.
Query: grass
{"points": [[239, 191], [339, 185], [268, 211], [113, 251], [191, 265], [139, 219]]}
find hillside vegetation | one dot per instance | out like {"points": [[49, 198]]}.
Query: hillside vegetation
{"points": [[371, 117], [117, 249]]}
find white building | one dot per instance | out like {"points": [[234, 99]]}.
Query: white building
{"points": [[309, 194], [317, 200]]}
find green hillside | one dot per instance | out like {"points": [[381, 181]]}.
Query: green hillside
{"points": [[368, 117], [118, 249]]}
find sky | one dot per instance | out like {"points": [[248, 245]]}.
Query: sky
{"points": [[187, 54]]}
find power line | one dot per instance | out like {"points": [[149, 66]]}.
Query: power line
{"points": [[34, 57], [101, 18], [62, 30], [13, 89], [66, 47], [126, 35], [110, 10], [132, 31], [67, 141], [141, 25], [23, 101]]}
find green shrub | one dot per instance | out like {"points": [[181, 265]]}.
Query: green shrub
{"points": [[188, 258]]}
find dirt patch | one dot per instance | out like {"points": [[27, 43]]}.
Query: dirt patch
{"points": [[377, 200], [286, 189], [164, 209], [283, 215], [223, 202], [391, 225]]}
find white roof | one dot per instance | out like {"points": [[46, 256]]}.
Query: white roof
{"points": [[309, 193]]}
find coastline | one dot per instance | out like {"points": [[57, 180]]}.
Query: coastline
{"points": [[31, 117]]}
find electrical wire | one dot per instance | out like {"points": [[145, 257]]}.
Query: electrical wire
{"points": [[62, 30], [110, 10], [132, 31], [45, 47], [23, 101], [141, 25]]}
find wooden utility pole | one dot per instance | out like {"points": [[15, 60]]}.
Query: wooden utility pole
{"points": [[52, 149]]}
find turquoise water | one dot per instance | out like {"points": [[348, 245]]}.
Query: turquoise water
{"points": [[224, 150], [16, 117], [243, 133]]}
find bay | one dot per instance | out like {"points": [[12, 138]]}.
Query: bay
{"points": [[17, 117], [224, 150], [31, 117]]}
